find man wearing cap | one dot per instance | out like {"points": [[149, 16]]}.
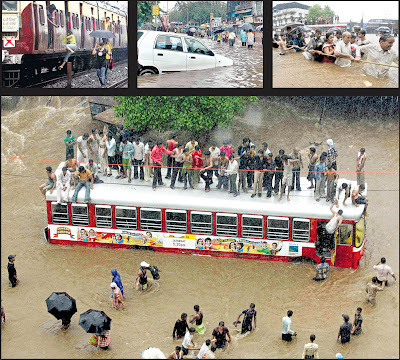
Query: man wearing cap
{"points": [[142, 275], [180, 327], [84, 176], [12, 273], [332, 154], [345, 330]]}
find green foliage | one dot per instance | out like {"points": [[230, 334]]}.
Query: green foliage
{"points": [[197, 114], [317, 11], [144, 11], [199, 11]]}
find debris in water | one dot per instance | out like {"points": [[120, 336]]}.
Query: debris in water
{"points": [[367, 83]]}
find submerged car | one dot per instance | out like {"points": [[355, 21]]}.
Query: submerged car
{"points": [[160, 52]]}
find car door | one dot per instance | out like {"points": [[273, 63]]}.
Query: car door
{"points": [[168, 54], [199, 57]]}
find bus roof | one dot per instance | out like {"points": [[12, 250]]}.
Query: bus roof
{"points": [[140, 193]]}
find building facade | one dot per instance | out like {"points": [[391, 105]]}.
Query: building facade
{"points": [[293, 12], [246, 11]]}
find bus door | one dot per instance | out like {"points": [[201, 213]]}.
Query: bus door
{"points": [[343, 250]]}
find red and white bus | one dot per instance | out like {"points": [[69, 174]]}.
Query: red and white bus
{"points": [[132, 216]]}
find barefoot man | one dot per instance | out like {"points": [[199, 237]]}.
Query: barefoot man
{"points": [[50, 184]]}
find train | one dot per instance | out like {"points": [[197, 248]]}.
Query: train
{"points": [[32, 46]]}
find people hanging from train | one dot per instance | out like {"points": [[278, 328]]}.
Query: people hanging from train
{"points": [[108, 47], [107, 23], [101, 62], [70, 47], [51, 21]]}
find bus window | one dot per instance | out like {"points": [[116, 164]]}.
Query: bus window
{"points": [[103, 214], [201, 223], [125, 218], [80, 215], [278, 228], [150, 219], [301, 230], [59, 213], [360, 232], [227, 224], [252, 226], [176, 221], [345, 234]]}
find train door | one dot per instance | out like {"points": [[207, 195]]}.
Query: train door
{"points": [[37, 27], [95, 24], [82, 25], [50, 26], [119, 32]]}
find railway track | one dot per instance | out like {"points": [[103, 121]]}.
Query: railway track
{"points": [[119, 84]]}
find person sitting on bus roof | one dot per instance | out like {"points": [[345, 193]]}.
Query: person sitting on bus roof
{"points": [[336, 220], [84, 176], [358, 199], [322, 270], [342, 185], [50, 184], [94, 169]]}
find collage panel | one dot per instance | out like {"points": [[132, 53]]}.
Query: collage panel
{"points": [[335, 44], [64, 44], [200, 44]]}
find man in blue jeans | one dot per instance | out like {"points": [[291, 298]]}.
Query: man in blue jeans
{"points": [[101, 62], [84, 176]]}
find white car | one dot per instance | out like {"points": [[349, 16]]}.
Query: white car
{"points": [[160, 52]]}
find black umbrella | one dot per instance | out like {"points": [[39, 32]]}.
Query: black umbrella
{"points": [[61, 305], [247, 27], [104, 34], [95, 322], [298, 30], [218, 30]]}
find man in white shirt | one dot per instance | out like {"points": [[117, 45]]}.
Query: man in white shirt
{"points": [[232, 37], [382, 53], [215, 152], [63, 184], [383, 271], [187, 340], [138, 158], [232, 173], [82, 155], [250, 39], [204, 349], [310, 350], [287, 333], [343, 185], [111, 147], [343, 51]]}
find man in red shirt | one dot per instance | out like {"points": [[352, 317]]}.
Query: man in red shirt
{"points": [[227, 148], [156, 157], [197, 165], [171, 145]]}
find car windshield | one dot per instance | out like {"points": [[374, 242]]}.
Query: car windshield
{"points": [[194, 46], [139, 34]]}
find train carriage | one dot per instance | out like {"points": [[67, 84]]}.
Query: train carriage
{"points": [[214, 224], [31, 47]]}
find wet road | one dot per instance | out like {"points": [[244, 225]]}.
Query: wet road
{"points": [[294, 71], [247, 71], [222, 287]]}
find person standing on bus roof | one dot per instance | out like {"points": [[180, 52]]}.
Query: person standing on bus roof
{"points": [[336, 220], [82, 155], [178, 163], [156, 156], [320, 170], [361, 158], [50, 184], [278, 171], [287, 175], [69, 142], [322, 270], [138, 158], [206, 172], [84, 177], [287, 332], [310, 350], [171, 145], [249, 314]]}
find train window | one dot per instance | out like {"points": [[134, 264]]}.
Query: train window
{"points": [[201, 223], [227, 224], [41, 15], [103, 214], [301, 229], [125, 218], [176, 221], [150, 219], [57, 17], [62, 18], [9, 5], [80, 214], [345, 234], [252, 226], [59, 213], [278, 228]]}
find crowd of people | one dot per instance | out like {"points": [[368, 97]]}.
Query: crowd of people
{"points": [[220, 335], [341, 49]]}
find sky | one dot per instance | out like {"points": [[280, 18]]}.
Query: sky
{"points": [[353, 10]]}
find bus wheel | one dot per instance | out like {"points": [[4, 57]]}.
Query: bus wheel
{"points": [[303, 260]]}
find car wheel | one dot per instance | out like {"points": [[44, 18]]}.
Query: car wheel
{"points": [[147, 72]]}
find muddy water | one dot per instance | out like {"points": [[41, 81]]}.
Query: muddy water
{"points": [[222, 287], [247, 71], [294, 71]]}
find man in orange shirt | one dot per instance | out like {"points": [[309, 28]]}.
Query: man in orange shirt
{"points": [[84, 176]]}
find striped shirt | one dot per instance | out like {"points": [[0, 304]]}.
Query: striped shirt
{"points": [[332, 152], [105, 339]]}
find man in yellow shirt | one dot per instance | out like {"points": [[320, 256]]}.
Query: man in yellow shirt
{"points": [[107, 23], [84, 176], [108, 47]]}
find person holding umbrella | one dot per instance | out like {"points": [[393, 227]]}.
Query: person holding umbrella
{"points": [[99, 324], [101, 62], [243, 37], [62, 306]]}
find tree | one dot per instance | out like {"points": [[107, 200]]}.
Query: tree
{"points": [[144, 11], [197, 114], [316, 11], [197, 11]]}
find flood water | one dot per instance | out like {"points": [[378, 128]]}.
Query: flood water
{"points": [[294, 71], [223, 287], [247, 71]]}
